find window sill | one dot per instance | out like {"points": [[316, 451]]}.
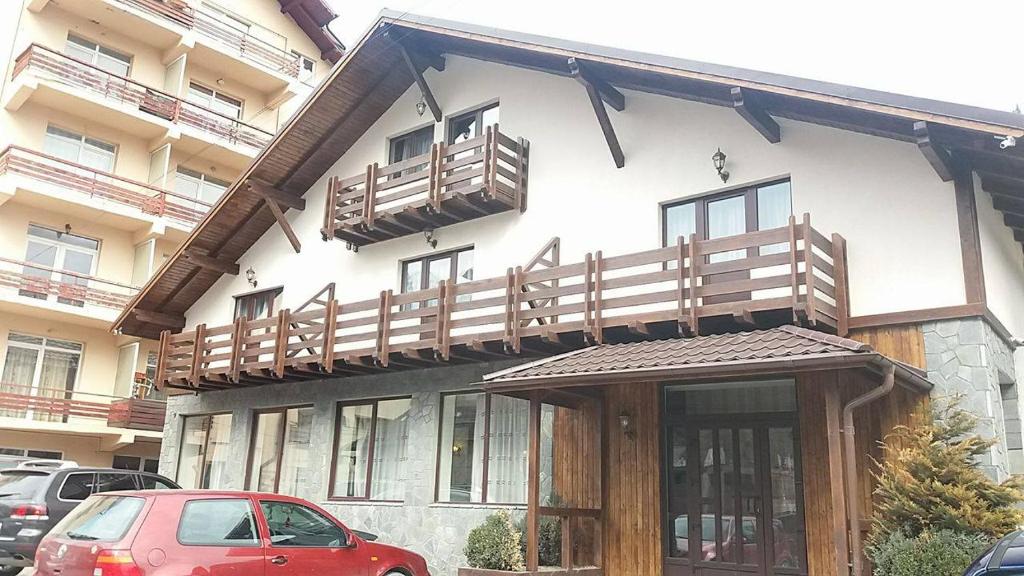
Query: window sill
{"points": [[355, 502], [475, 505]]}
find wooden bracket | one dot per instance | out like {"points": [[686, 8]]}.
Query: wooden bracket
{"points": [[598, 97], [159, 318], [217, 264], [937, 156], [272, 197], [417, 74], [279, 196], [745, 103]]}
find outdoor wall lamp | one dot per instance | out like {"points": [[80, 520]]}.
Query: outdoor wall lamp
{"points": [[428, 235], [626, 423], [719, 159], [250, 275], [421, 106]]}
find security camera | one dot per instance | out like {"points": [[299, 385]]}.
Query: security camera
{"points": [[1006, 142]]}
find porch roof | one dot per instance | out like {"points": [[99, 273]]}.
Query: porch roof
{"points": [[786, 349]]}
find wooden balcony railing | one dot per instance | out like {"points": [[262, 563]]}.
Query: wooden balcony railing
{"points": [[174, 11], [51, 65], [58, 405], [451, 183], [246, 45], [80, 179], [64, 286], [792, 274]]}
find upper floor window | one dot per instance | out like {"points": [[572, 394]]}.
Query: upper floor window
{"points": [[471, 124], [198, 185], [53, 250], [410, 145], [256, 305], [281, 456], [39, 366], [214, 100], [227, 17], [428, 271], [370, 447], [307, 67], [100, 56], [760, 207], [90, 152], [203, 456]]}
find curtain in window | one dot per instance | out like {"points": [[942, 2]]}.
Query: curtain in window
{"points": [[727, 217], [217, 449], [296, 459], [266, 446], [193, 437], [774, 207], [353, 451], [507, 454], [56, 380], [389, 450], [461, 459], [19, 371]]}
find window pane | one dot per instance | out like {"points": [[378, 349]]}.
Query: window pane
{"points": [[19, 373], [508, 445], [353, 450], [462, 129], [218, 523], [76, 487], [678, 503], [787, 527], [297, 458], [299, 526], [727, 217], [202, 458], [265, 449], [114, 482], [490, 116], [152, 482], [439, 270], [102, 519], [461, 448], [774, 206], [56, 377], [186, 184], [465, 267], [680, 220], [412, 276], [79, 52], [389, 450], [126, 462]]}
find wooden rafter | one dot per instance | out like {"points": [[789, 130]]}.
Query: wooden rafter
{"points": [[748, 107], [280, 197], [160, 318], [593, 86], [417, 74], [937, 156], [221, 265], [271, 198]]}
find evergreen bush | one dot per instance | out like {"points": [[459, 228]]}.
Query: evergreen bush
{"points": [[494, 545], [940, 553]]}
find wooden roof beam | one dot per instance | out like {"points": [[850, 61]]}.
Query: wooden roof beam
{"points": [[609, 93], [746, 104], [937, 156], [1014, 221], [1002, 187], [417, 74], [163, 319], [597, 102], [270, 199], [1009, 204], [217, 264], [279, 196]]}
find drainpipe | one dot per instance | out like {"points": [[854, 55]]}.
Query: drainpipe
{"points": [[850, 445]]}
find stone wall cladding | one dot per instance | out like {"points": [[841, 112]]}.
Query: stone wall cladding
{"points": [[967, 358], [437, 531]]}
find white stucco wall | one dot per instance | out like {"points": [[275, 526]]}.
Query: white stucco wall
{"points": [[898, 218]]}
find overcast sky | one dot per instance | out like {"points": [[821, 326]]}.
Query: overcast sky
{"points": [[967, 52]]}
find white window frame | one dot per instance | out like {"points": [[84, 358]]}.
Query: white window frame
{"points": [[41, 350], [24, 452], [82, 141], [61, 251], [97, 50], [201, 178], [214, 95]]}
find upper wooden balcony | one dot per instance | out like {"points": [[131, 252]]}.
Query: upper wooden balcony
{"points": [[64, 406], [450, 184], [792, 274], [154, 107], [48, 175]]}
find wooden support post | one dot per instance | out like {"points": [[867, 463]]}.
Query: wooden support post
{"points": [[808, 234], [370, 196], [417, 74], [285, 226], [198, 350], [794, 269], [937, 156], [237, 337], [330, 210], [517, 304], [384, 328], [566, 526], [682, 319], [597, 103], [485, 166], [588, 295], [533, 485], [747, 106], [441, 321], [840, 276], [833, 425], [330, 328], [598, 332], [694, 290], [510, 287], [211, 263], [161, 360], [433, 177], [492, 169], [523, 173], [281, 343]]}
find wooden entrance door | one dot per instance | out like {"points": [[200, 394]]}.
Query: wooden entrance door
{"points": [[740, 478]]}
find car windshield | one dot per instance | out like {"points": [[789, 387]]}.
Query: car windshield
{"points": [[104, 518], [21, 484]]}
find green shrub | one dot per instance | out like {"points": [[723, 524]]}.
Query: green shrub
{"points": [[549, 540], [494, 545], [941, 553]]}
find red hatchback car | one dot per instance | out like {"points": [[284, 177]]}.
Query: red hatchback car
{"points": [[212, 533]]}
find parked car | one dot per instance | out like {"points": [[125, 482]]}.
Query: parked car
{"points": [[37, 494], [731, 541], [1004, 558], [170, 533]]}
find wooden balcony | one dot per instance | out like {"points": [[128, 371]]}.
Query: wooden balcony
{"points": [[55, 405], [64, 70], [450, 184], [792, 274], [86, 183], [36, 282]]}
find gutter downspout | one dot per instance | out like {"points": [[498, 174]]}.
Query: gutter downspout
{"points": [[850, 449]]}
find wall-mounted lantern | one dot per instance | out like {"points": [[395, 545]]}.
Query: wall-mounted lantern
{"points": [[719, 159], [250, 276]]}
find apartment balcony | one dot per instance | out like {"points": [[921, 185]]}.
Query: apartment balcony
{"points": [[450, 184], [45, 292], [121, 202], [56, 80], [788, 275], [39, 408]]}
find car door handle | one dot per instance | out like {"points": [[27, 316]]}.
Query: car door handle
{"points": [[279, 560]]}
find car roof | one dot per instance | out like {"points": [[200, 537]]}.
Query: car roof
{"points": [[203, 493]]}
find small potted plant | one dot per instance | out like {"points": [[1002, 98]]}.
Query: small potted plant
{"points": [[493, 548]]}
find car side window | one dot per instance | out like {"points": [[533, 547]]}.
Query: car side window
{"points": [[218, 522], [76, 487], [296, 525], [154, 483], [112, 481]]}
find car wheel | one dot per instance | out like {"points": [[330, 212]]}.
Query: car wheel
{"points": [[10, 570]]}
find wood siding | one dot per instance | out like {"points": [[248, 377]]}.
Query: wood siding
{"points": [[904, 343]]}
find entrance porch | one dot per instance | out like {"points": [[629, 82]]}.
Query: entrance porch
{"points": [[744, 432]]}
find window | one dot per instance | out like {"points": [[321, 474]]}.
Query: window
{"points": [[112, 482], [152, 358], [203, 457], [410, 145], [761, 207], [468, 423], [89, 152], [102, 519], [371, 440], [100, 56], [256, 305], [300, 526], [53, 250], [199, 186], [456, 266], [41, 367], [281, 455], [227, 17], [150, 482], [222, 522], [214, 100], [76, 487], [42, 454], [471, 124], [137, 463], [307, 67]]}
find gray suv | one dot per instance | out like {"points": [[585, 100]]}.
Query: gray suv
{"points": [[37, 494]]}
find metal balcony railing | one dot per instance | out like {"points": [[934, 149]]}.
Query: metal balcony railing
{"points": [[34, 281], [59, 405]]}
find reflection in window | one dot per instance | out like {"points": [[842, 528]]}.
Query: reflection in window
{"points": [[203, 456], [281, 456], [221, 522], [378, 428]]}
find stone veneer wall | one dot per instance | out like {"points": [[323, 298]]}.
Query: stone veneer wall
{"points": [[967, 358], [437, 531]]}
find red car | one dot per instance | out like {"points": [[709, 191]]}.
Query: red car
{"points": [[212, 533]]}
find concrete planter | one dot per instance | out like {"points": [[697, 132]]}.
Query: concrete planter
{"points": [[487, 572]]}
